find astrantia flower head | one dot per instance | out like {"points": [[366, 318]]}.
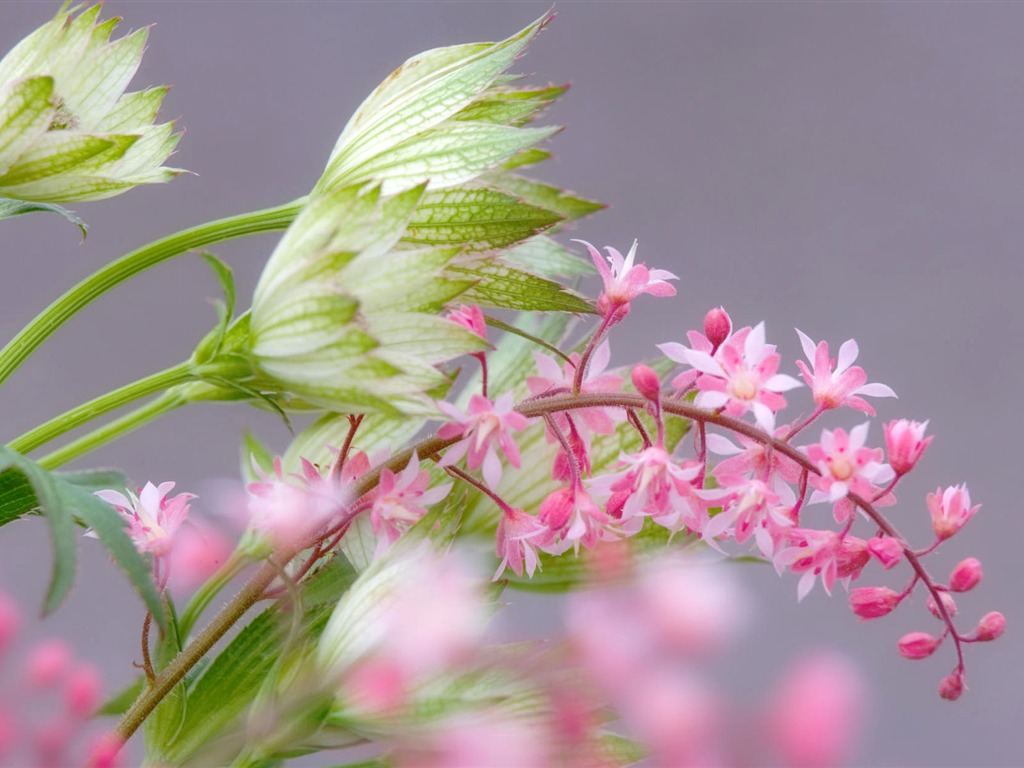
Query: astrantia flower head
{"points": [[68, 131], [153, 518]]}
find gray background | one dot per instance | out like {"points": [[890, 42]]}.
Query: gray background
{"points": [[849, 169]]}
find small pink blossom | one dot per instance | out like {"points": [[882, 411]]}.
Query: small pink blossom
{"points": [[842, 386], [741, 376], [470, 317], [753, 459], [485, 427], [153, 519], [950, 510], [572, 518], [813, 554], [402, 499], [626, 280], [905, 443], [918, 645], [887, 550], [519, 535], [752, 508], [846, 467], [966, 576], [873, 602]]}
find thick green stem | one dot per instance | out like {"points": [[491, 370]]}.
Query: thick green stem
{"points": [[101, 405], [202, 598], [63, 309], [165, 403]]}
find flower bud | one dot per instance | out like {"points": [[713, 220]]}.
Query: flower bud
{"points": [[947, 602], [852, 556], [951, 686], [873, 602], [69, 132], [886, 549], [905, 444], [991, 626], [717, 326], [918, 645], [83, 690], [966, 576], [646, 382], [950, 510], [470, 317]]}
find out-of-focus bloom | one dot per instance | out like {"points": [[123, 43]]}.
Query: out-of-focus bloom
{"points": [[68, 131], [289, 511], [842, 386], [950, 510], [905, 443], [624, 281], [485, 427], [481, 740], [153, 518], [817, 713]]}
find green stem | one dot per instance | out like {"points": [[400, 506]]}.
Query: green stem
{"points": [[63, 309], [101, 405], [144, 414]]}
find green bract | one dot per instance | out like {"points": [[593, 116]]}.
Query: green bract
{"points": [[68, 131]]}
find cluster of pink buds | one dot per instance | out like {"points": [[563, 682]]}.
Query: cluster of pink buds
{"points": [[764, 491], [46, 707]]}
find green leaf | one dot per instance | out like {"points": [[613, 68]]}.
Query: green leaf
{"points": [[511, 106], [544, 257], [503, 286], [480, 219], [25, 114], [561, 201], [526, 157], [10, 208]]}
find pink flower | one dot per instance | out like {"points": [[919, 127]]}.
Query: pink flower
{"points": [[290, 512], [654, 485], [845, 384], [470, 317], [752, 460], [626, 280], [950, 510], [554, 379], [572, 518], [752, 509], [886, 549], [153, 519], [966, 576], [741, 376], [518, 537], [905, 444], [400, 500], [873, 602], [846, 467], [485, 427], [814, 554]]}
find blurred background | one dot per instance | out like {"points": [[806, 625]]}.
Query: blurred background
{"points": [[854, 170]]}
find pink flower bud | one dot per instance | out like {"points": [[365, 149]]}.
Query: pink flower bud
{"points": [[948, 603], [966, 576], [991, 626], [717, 326], [873, 602], [950, 510], [471, 318], [47, 663], [951, 686], [646, 382], [886, 549], [82, 692], [905, 443], [918, 645]]}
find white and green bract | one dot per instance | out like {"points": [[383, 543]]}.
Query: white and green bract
{"points": [[68, 131]]}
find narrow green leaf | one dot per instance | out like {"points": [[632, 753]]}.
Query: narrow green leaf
{"points": [[10, 208], [503, 286], [526, 157], [211, 345], [546, 196]]}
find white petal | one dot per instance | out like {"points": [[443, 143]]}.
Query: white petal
{"points": [[754, 343], [780, 382], [837, 491], [704, 362], [674, 351], [858, 436], [847, 354], [805, 586], [808, 345], [875, 390], [599, 360], [721, 445], [764, 417]]}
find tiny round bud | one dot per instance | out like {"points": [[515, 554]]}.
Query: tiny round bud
{"points": [[646, 382], [918, 645], [947, 601], [886, 549], [873, 602], [717, 326], [951, 686], [991, 626], [47, 663], [966, 576]]}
